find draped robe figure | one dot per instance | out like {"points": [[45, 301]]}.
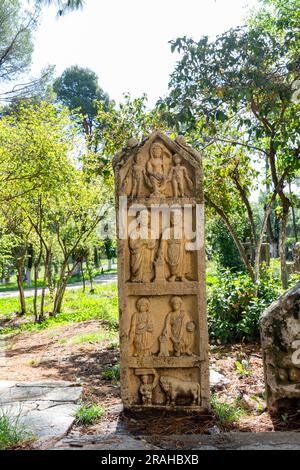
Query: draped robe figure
{"points": [[141, 329], [176, 328], [142, 253]]}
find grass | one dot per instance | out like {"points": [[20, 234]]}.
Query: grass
{"points": [[88, 414], [226, 413], [77, 307], [112, 373], [95, 337], [12, 432]]}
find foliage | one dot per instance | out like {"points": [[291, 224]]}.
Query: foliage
{"points": [[244, 79], [12, 432], [112, 373], [131, 118], [234, 307], [88, 414], [64, 6], [16, 44], [221, 245], [226, 413], [78, 89], [242, 368], [34, 143]]}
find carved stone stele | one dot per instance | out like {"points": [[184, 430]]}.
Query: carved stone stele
{"points": [[280, 336], [161, 276]]}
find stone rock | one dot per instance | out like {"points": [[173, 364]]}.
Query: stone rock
{"points": [[230, 441], [214, 430], [132, 142], [46, 409], [280, 336], [161, 276], [250, 403], [116, 409], [36, 391], [217, 380], [187, 442], [55, 421], [108, 442]]}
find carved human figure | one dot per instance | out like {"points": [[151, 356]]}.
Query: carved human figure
{"points": [[141, 329], [156, 175], [142, 244], [147, 387], [137, 174], [178, 175], [176, 329], [172, 248]]}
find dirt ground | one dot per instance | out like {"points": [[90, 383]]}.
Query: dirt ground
{"points": [[52, 354]]}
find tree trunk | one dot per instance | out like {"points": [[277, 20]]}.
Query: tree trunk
{"points": [[294, 216], [42, 305], [82, 276], [35, 281], [236, 240], [21, 288], [282, 245], [28, 276], [59, 297]]}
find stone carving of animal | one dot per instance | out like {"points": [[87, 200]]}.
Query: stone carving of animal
{"points": [[174, 388]]}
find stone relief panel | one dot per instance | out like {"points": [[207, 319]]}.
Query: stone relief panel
{"points": [[162, 255], [280, 333], [157, 172], [162, 388], [162, 326]]}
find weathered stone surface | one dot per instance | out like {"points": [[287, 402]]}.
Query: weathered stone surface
{"points": [[163, 329], [37, 391], [218, 441], [54, 421], [47, 409], [108, 442], [280, 335], [217, 380], [230, 441]]}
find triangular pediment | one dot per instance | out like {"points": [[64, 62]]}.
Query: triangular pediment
{"points": [[158, 166], [186, 152]]}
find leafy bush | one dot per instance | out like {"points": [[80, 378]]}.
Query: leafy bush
{"points": [[112, 373], [88, 414], [221, 245], [234, 307]]}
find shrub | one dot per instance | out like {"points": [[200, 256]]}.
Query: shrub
{"points": [[112, 373], [88, 414], [234, 307]]}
